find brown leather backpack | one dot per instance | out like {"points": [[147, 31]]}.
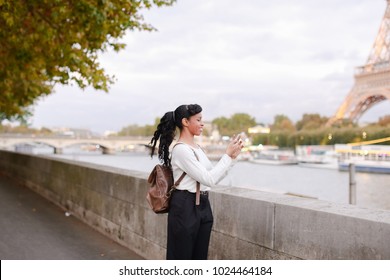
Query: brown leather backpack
{"points": [[161, 187]]}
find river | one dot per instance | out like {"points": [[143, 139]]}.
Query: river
{"points": [[373, 190]]}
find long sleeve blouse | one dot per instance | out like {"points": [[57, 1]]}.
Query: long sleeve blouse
{"points": [[198, 169]]}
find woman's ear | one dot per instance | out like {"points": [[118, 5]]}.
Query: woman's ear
{"points": [[184, 122]]}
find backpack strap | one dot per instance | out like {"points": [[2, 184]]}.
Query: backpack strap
{"points": [[179, 180], [182, 175], [197, 197]]}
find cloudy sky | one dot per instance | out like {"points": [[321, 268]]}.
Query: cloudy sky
{"points": [[258, 57]]}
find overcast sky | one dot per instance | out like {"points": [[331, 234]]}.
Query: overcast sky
{"points": [[258, 57]]}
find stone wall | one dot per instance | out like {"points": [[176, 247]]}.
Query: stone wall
{"points": [[248, 224]]}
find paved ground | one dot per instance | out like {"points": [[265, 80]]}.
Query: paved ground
{"points": [[33, 228]]}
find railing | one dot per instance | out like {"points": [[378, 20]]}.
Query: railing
{"points": [[373, 68]]}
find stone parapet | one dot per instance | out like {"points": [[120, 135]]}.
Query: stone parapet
{"points": [[248, 224]]}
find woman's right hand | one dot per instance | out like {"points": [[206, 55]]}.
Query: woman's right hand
{"points": [[234, 147]]}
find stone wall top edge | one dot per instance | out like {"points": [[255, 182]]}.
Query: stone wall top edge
{"points": [[285, 200], [115, 170]]}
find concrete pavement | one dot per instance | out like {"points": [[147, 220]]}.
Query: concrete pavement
{"points": [[33, 228]]}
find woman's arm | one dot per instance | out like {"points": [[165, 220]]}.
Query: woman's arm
{"points": [[184, 157]]}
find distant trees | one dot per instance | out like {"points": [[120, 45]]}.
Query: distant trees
{"points": [[24, 129], [311, 121], [311, 130], [323, 136], [48, 42], [239, 122], [384, 121], [136, 130], [282, 123]]}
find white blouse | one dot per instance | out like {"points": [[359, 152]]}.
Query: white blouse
{"points": [[202, 170]]}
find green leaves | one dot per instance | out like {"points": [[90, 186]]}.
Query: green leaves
{"points": [[58, 41], [237, 123]]}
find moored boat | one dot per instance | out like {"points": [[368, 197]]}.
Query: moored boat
{"points": [[366, 158], [273, 157], [317, 156], [382, 167]]}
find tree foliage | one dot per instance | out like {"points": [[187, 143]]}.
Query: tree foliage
{"points": [[384, 121], [58, 41], [239, 122], [311, 121], [24, 129], [136, 130], [323, 136], [282, 123]]}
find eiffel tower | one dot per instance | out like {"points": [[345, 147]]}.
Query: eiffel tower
{"points": [[372, 81]]}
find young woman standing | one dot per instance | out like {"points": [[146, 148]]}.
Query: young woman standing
{"points": [[190, 221]]}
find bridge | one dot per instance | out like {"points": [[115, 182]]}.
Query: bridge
{"points": [[108, 145]]}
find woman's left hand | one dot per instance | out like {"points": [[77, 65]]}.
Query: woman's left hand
{"points": [[235, 146]]}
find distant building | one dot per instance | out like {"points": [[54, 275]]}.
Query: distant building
{"points": [[259, 129]]}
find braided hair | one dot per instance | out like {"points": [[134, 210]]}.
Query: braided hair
{"points": [[166, 130]]}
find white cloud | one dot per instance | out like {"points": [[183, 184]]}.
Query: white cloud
{"points": [[255, 56]]}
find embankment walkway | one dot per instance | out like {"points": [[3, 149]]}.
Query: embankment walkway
{"points": [[34, 228]]}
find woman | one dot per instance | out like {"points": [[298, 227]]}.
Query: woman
{"points": [[189, 224]]}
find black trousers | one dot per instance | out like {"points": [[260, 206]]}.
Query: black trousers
{"points": [[189, 227]]}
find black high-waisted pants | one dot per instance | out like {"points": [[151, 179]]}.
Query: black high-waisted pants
{"points": [[189, 227]]}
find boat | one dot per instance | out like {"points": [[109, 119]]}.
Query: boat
{"points": [[317, 156], [365, 158], [273, 157], [382, 167]]}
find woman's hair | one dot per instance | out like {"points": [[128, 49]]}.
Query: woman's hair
{"points": [[166, 130]]}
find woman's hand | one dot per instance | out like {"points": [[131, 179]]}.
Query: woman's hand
{"points": [[234, 147]]}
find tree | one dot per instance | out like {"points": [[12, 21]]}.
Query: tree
{"points": [[311, 121], [222, 123], [282, 123], [58, 41], [384, 121], [135, 130], [23, 129], [239, 122]]}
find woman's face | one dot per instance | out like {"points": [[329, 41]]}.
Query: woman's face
{"points": [[195, 124]]}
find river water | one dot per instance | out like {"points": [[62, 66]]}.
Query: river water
{"points": [[373, 190]]}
